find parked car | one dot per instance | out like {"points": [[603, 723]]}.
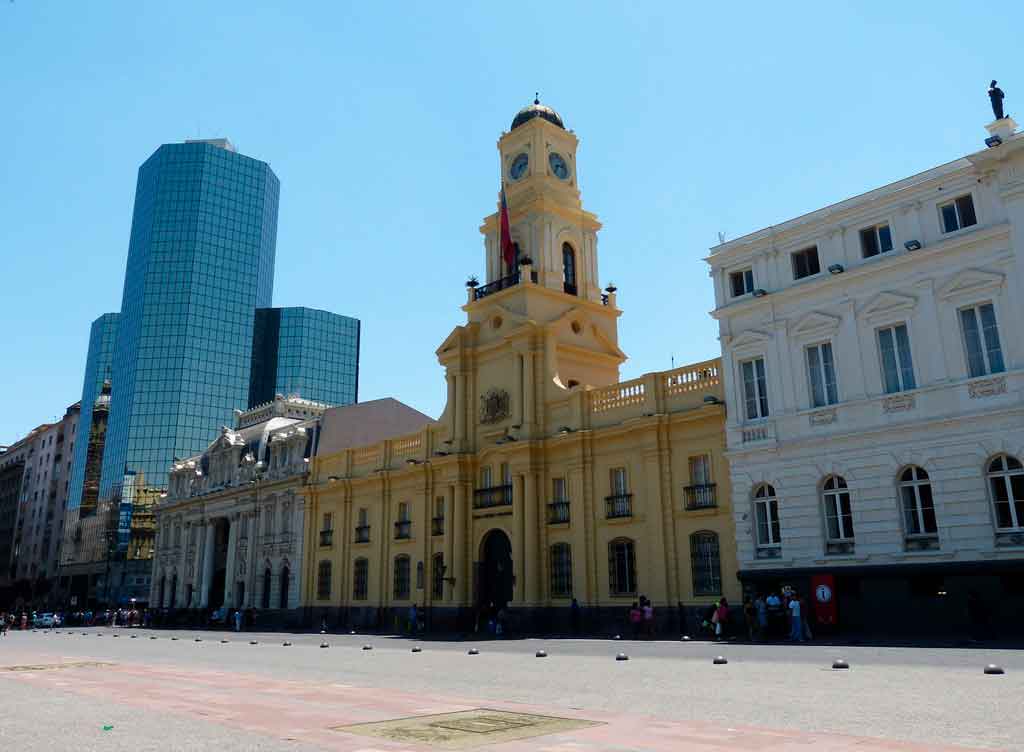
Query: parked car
{"points": [[45, 621]]}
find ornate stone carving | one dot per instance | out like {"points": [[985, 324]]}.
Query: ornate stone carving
{"points": [[822, 417], [494, 406], [987, 387], [899, 403]]}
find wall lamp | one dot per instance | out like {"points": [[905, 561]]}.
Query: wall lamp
{"points": [[760, 292], [333, 478], [836, 269], [710, 399], [992, 141], [912, 245], [566, 429]]}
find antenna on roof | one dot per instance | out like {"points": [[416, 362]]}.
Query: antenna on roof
{"points": [[721, 237]]}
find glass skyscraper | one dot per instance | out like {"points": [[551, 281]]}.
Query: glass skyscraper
{"points": [[200, 262], [307, 352], [98, 364]]}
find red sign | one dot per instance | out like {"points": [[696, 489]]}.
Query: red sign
{"points": [[823, 593]]}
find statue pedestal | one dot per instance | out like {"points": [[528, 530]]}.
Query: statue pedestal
{"points": [[1003, 127]]}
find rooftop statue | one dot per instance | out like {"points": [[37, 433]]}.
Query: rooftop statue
{"points": [[995, 95]]}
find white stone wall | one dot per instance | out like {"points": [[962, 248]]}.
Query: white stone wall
{"points": [[950, 424]]}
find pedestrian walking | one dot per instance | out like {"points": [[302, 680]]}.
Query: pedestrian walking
{"points": [[762, 616], [238, 620], [722, 619], [636, 618], [750, 617]]}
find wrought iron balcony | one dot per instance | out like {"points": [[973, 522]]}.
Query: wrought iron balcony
{"points": [[326, 537], [500, 284], [701, 496], [558, 512], [403, 530], [362, 534], [619, 505], [437, 526], [495, 496]]}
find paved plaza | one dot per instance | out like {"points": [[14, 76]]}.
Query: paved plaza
{"points": [[134, 692]]}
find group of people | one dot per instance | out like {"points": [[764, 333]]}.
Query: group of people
{"points": [[641, 618], [780, 614]]}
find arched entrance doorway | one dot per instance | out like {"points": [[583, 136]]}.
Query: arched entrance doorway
{"points": [[495, 580]]}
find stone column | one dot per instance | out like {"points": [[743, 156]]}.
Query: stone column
{"points": [[459, 569], [531, 560], [518, 537], [197, 568], [204, 601], [230, 586]]}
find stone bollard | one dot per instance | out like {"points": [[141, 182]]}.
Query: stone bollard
{"points": [[622, 657], [541, 654], [286, 644], [994, 670], [417, 649], [839, 663], [324, 645], [367, 647], [719, 660], [473, 651]]}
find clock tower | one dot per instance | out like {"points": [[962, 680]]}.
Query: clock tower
{"points": [[540, 328]]}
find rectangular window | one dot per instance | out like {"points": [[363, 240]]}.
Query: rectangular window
{"points": [[437, 577], [485, 476], [323, 581], [360, 579], [561, 571], [897, 365], [558, 489], [958, 213], [821, 374], [768, 529], [805, 263], [618, 481], [755, 390], [621, 567], [742, 282], [981, 340], [875, 240], [700, 470], [328, 522]]}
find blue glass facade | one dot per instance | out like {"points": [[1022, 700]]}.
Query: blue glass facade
{"points": [[306, 352], [200, 262], [98, 364]]}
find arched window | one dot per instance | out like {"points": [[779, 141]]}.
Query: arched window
{"points": [[621, 567], [705, 563], [323, 580], [838, 513], [267, 579], [437, 577], [360, 579], [568, 269], [285, 577], [401, 589], [766, 516], [561, 570], [1006, 479], [918, 507]]}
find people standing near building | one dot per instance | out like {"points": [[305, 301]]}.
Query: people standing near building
{"points": [[750, 617], [762, 616], [796, 633], [648, 611], [722, 619], [238, 620]]}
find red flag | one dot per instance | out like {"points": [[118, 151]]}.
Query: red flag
{"points": [[508, 251]]}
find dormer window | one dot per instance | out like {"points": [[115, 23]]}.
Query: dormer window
{"points": [[741, 282], [805, 263]]}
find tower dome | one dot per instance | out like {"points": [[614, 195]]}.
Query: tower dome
{"points": [[536, 110]]}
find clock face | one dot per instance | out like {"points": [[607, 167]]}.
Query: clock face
{"points": [[558, 166], [519, 165]]}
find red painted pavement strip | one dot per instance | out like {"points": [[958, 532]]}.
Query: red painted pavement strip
{"points": [[306, 711]]}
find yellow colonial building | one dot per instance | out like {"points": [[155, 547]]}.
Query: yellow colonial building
{"points": [[546, 479]]}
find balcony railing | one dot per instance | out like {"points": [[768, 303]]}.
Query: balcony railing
{"points": [[403, 530], [500, 284], [495, 496], [437, 526], [701, 496], [619, 505], [362, 534], [558, 512], [326, 537]]}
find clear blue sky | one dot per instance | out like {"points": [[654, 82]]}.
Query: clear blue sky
{"points": [[381, 119]]}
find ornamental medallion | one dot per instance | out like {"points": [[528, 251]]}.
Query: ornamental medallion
{"points": [[493, 406]]}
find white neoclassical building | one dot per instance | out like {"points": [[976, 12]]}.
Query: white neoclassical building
{"points": [[873, 360], [230, 530]]}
